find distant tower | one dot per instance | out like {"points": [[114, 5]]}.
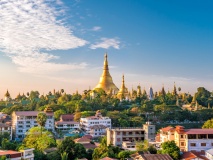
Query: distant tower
{"points": [[151, 94], [174, 92], [144, 92], [123, 92], [139, 91], [106, 82], [7, 96], [163, 93]]}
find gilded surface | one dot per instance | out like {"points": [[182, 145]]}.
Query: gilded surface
{"points": [[106, 82]]}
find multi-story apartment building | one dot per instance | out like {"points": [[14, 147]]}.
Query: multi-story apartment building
{"points": [[116, 136], [4, 128], [22, 121], [95, 125], [188, 139]]}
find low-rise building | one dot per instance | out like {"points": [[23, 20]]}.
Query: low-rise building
{"points": [[65, 126], [209, 153], [9, 154], [116, 136], [27, 154], [22, 121], [4, 128], [95, 125], [148, 156], [188, 139]]}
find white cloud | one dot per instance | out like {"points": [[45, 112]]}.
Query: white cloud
{"points": [[106, 43], [96, 28], [28, 28]]}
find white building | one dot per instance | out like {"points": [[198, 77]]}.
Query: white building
{"points": [[66, 125], [27, 154], [188, 139], [22, 121], [209, 154], [4, 128], [95, 125]]}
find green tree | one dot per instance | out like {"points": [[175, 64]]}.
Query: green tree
{"points": [[79, 151], [33, 139], [67, 145], [142, 145], [58, 113], [7, 145], [208, 124], [77, 116], [41, 119], [64, 156], [170, 148], [54, 156], [124, 154]]}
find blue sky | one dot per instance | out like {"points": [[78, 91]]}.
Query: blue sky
{"points": [[47, 44]]}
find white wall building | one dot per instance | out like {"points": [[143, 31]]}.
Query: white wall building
{"points": [[95, 125], [27, 154], [22, 121], [4, 128], [66, 125]]}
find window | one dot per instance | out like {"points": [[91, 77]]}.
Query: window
{"points": [[181, 136], [212, 144], [20, 131], [182, 144], [192, 144], [118, 133], [192, 136], [118, 139], [202, 136], [210, 136], [203, 144]]}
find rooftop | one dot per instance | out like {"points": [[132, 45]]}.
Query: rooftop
{"points": [[198, 131], [31, 113]]}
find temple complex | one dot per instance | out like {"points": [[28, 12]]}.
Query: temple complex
{"points": [[106, 82]]}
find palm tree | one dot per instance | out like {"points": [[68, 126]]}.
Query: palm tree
{"points": [[64, 156], [41, 119]]}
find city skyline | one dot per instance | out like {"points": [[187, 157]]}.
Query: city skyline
{"points": [[55, 44]]}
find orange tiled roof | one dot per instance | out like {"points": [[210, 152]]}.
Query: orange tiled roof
{"points": [[166, 129]]}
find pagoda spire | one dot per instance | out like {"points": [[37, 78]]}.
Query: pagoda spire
{"points": [[123, 92], [106, 82]]}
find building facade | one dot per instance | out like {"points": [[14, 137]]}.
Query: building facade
{"points": [[116, 136], [188, 139], [95, 125], [4, 128], [22, 121]]}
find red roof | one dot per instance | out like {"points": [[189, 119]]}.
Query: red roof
{"points": [[66, 122], [193, 155], [166, 129], [198, 131], [32, 113], [88, 136], [67, 117], [89, 146], [82, 139], [14, 154], [108, 158]]}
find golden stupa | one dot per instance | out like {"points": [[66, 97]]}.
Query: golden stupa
{"points": [[106, 82], [123, 92]]}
